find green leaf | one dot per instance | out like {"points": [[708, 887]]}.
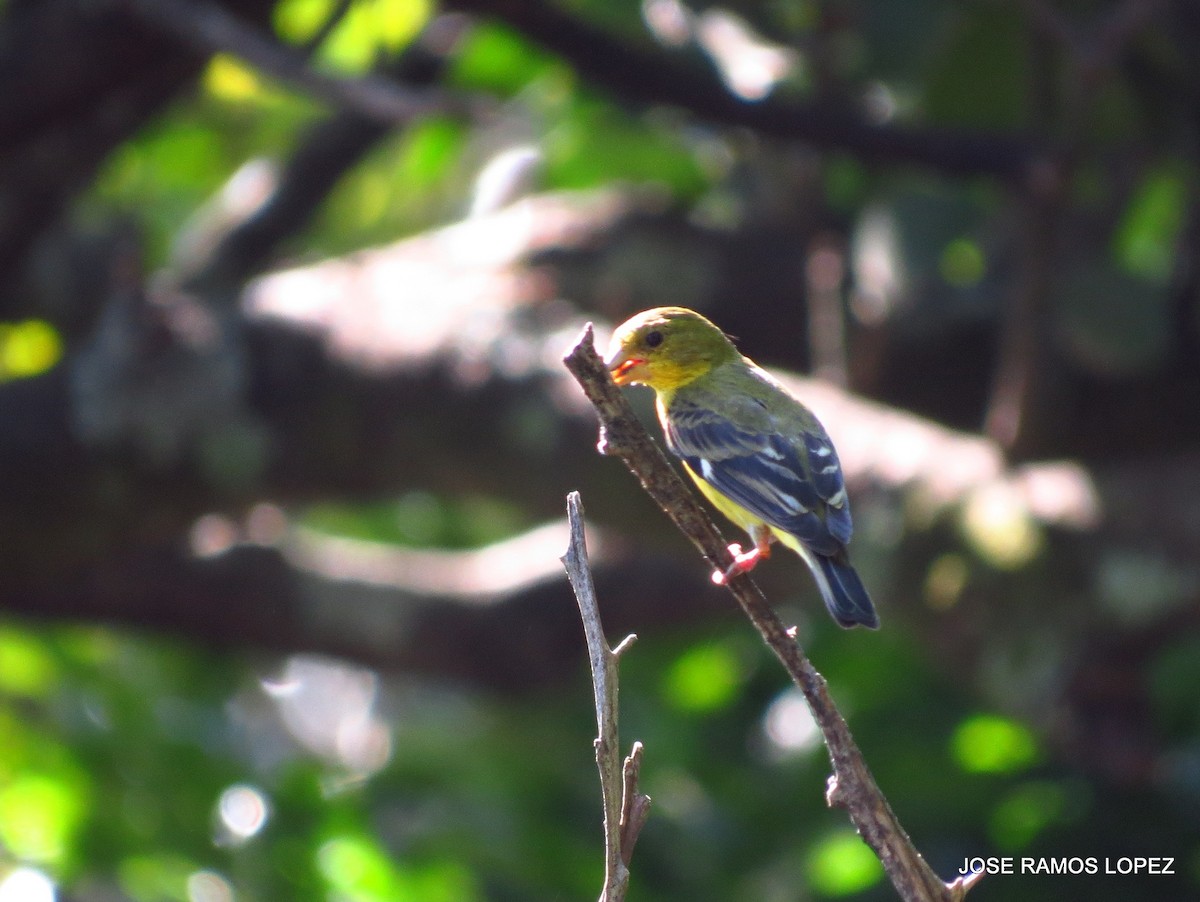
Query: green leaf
{"points": [[497, 59], [594, 143], [28, 348], [40, 813], [1146, 238], [27, 666]]}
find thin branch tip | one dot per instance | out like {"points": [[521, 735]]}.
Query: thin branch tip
{"points": [[961, 886], [625, 808], [587, 338], [623, 646]]}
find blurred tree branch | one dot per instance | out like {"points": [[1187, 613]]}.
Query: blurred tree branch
{"points": [[210, 28], [78, 80], [329, 149], [653, 76], [852, 786]]}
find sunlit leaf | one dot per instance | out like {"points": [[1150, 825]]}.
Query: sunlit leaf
{"points": [[1146, 237], [28, 348], [429, 152], [39, 814], [227, 78], [153, 878], [498, 59], [298, 20], [358, 869], [371, 28], [26, 666], [398, 21]]}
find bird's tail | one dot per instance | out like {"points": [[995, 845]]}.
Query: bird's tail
{"points": [[843, 592]]}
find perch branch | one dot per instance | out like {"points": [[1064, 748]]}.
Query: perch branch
{"points": [[625, 808], [851, 786]]}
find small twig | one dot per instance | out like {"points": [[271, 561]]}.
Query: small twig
{"points": [[625, 808], [852, 786]]}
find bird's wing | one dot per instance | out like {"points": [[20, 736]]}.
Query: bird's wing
{"points": [[791, 482]]}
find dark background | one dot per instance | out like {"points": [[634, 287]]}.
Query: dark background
{"points": [[285, 439]]}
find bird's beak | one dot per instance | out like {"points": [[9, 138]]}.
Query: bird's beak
{"points": [[624, 368]]}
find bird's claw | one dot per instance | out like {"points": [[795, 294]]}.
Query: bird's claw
{"points": [[743, 562]]}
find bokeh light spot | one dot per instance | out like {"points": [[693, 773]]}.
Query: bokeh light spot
{"points": [[27, 885], [789, 725], [704, 678], [208, 886], [963, 263], [243, 811], [28, 348], [1029, 810], [38, 815], [990, 744], [842, 864]]}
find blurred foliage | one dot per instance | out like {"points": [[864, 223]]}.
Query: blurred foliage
{"points": [[118, 752], [28, 348], [420, 520]]}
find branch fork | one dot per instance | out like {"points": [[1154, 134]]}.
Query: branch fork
{"points": [[625, 806]]}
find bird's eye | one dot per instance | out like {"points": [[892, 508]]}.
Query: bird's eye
{"points": [[654, 339]]}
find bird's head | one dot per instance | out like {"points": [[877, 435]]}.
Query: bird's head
{"points": [[666, 348]]}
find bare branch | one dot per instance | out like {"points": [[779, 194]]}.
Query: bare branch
{"points": [[625, 808], [852, 785]]}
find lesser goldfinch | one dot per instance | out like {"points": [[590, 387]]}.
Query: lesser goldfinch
{"points": [[758, 454]]}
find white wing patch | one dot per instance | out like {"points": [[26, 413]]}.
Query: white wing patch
{"points": [[791, 503]]}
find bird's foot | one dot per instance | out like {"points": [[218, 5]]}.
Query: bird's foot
{"points": [[743, 562]]}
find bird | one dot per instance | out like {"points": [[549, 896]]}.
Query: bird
{"points": [[760, 456]]}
